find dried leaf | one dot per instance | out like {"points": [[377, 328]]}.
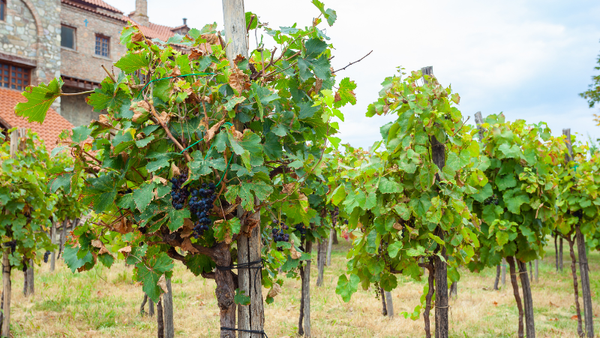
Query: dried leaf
{"points": [[188, 246], [293, 252], [188, 228], [125, 250], [238, 79], [574, 317], [175, 72], [162, 282], [275, 290], [175, 170], [123, 226], [165, 117], [398, 226], [103, 118], [137, 36], [196, 53], [289, 188], [96, 243], [213, 130], [213, 39], [158, 179]]}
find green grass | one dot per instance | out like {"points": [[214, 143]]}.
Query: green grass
{"points": [[105, 303]]}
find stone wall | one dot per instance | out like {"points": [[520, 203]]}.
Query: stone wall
{"points": [[31, 31], [76, 110], [83, 63]]}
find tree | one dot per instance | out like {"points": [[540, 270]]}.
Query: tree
{"points": [[517, 201], [194, 150], [578, 210], [408, 198], [25, 207]]}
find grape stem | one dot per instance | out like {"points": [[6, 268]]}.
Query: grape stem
{"points": [[159, 121]]}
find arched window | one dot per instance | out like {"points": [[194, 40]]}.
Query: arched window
{"points": [[3, 8]]}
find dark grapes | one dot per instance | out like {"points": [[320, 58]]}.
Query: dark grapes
{"points": [[491, 200], [46, 256], [278, 233], [301, 229], [334, 216], [201, 204], [179, 193]]}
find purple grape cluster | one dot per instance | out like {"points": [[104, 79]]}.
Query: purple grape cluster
{"points": [[46, 256], [201, 204], [301, 229], [278, 233], [179, 193], [334, 215]]}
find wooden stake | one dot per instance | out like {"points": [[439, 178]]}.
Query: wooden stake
{"points": [[586, 294], [330, 245], [389, 304], [306, 291], [168, 311], [321, 252]]}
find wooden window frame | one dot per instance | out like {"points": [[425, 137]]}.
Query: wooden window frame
{"points": [[107, 39], [74, 37], [11, 74]]}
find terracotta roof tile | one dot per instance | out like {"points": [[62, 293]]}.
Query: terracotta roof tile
{"points": [[103, 4], [156, 31], [117, 14], [48, 131]]}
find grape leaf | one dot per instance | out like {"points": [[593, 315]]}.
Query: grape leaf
{"points": [[39, 100]]}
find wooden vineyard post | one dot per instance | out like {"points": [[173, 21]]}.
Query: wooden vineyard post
{"points": [[330, 245], [321, 253], [560, 254], [168, 311], [389, 304], [53, 254], [503, 272], [588, 312], [6, 282], [160, 323], [383, 304], [438, 154], [63, 237], [306, 291], [28, 279], [250, 317]]}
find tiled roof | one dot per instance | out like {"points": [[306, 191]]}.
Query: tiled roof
{"points": [[155, 31], [87, 5], [103, 4], [48, 131]]}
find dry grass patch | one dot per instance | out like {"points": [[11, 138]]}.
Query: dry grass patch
{"points": [[105, 303]]}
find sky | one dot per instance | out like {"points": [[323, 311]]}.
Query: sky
{"points": [[526, 58]]}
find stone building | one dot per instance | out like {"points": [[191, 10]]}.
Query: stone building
{"points": [[73, 39]]}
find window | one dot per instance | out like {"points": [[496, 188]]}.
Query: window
{"points": [[67, 37], [102, 45], [3, 10], [14, 77]]}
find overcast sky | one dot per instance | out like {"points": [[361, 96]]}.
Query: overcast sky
{"points": [[528, 59]]}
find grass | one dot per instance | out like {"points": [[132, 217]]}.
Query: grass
{"points": [[105, 303]]}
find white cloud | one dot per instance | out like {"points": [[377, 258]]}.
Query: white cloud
{"points": [[527, 58]]}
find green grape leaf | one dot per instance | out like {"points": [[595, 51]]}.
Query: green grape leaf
{"points": [[39, 100]]}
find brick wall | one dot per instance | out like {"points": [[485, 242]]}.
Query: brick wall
{"points": [[83, 63]]}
